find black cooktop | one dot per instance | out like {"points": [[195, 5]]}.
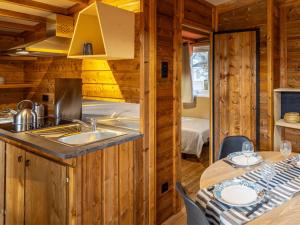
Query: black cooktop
{"points": [[42, 123]]}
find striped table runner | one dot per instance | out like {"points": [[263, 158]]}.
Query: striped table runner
{"points": [[283, 186]]}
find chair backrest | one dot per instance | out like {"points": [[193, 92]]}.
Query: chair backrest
{"points": [[232, 144], [195, 215]]}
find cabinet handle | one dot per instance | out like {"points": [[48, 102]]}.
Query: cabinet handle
{"points": [[20, 158], [27, 162]]}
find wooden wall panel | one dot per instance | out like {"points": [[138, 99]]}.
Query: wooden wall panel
{"points": [[235, 86], [15, 185], [12, 71], [45, 184], [164, 110], [2, 181], [253, 14], [198, 14], [110, 186], [290, 58]]}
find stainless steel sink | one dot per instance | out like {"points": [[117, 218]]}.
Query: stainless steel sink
{"points": [[89, 137], [75, 134], [121, 122]]}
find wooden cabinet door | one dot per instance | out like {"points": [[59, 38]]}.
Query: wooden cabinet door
{"points": [[235, 87], [14, 192], [2, 181], [46, 192]]}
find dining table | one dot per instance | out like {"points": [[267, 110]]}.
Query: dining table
{"points": [[287, 213]]}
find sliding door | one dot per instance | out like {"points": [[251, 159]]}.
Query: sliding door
{"points": [[235, 86]]}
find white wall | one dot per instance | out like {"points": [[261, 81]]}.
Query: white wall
{"points": [[200, 111]]}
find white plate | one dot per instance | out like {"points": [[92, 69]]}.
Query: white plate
{"points": [[238, 195], [239, 192], [238, 158]]}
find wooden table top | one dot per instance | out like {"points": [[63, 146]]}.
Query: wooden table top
{"points": [[286, 214]]}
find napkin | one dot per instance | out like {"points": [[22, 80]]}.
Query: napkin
{"points": [[238, 194]]}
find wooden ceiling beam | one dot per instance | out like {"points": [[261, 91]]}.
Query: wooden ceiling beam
{"points": [[76, 8], [22, 16], [39, 6], [83, 2], [194, 31], [16, 26], [196, 26], [9, 33]]}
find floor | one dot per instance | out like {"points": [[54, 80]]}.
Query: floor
{"points": [[191, 169]]}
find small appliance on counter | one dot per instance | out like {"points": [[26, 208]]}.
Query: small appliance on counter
{"points": [[28, 116], [292, 117], [25, 117], [39, 110]]}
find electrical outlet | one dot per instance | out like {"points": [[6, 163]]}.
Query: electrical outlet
{"points": [[164, 69], [164, 187], [45, 98]]}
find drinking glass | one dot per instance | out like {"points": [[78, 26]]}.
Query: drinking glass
{"points": [[285, 149], [268, 173], [248, 150]]}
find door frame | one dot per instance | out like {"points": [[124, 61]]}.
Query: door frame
{"points": [[212, 86]]}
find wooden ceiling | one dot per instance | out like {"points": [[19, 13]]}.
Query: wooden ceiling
{"points": [[218, 2], [23, 17]]}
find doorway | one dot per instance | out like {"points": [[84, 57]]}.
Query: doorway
{"points": [[195, 107]]}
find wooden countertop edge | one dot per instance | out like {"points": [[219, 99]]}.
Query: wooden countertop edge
{"points": [[67, 162]]}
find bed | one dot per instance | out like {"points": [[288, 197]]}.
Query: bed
{"points": [[195, 131], [194, 134]]}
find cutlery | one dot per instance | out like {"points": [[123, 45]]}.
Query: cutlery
{"points": [[229, 163], [211, 188], [258, 206]]}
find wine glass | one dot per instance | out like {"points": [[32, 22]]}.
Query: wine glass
{"points": [[286, 149], [248, 150], [268, 173]]}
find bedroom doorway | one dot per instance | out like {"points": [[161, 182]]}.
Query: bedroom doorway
{"points": [[195, 111]]}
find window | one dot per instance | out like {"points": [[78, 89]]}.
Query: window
{"points": [[200, 70]]}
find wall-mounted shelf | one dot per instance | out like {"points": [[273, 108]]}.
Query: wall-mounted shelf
{"points": [[17, 85], [109, 29], [279, 122], [287, 90], [18, 58], [282, 123]]}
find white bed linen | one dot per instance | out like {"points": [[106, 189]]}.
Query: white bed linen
{"points": [[195, 132]]}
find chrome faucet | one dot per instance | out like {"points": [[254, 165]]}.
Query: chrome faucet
{"points": [[93, 125]]}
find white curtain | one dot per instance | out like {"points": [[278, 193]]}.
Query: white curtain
{"points": [[187, 96]]}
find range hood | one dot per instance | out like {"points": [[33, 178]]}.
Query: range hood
{"points": [[56, 43]]}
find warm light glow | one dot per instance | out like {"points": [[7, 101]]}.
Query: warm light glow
{"points": [[101, 83], [22, 52]]}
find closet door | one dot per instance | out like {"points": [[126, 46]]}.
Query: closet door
{"points": [[235, 86]]}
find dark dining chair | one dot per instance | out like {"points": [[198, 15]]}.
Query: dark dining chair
{"points": [[231, 144], [195, 215]]}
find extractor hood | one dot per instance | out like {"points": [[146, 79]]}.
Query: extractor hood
{"points": [[56, 43]]}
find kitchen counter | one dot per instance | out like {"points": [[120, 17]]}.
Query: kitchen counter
{"points": [[64, 151]]}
